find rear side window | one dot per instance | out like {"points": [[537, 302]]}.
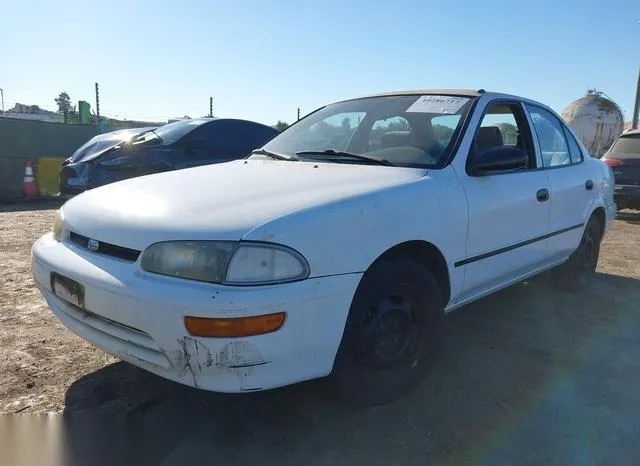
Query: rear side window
{"points": [[236, 133], [551, 138], [574, 149], [626, 146]]}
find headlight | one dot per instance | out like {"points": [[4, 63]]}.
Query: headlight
{"points": [[225, 262], [58, 226], [256, 263]]}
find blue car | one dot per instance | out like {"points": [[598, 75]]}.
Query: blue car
{"points": [[128, 153]]}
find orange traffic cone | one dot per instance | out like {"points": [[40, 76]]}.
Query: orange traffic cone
{"points": [[29, 186]]}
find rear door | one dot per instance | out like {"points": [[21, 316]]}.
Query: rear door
{"points": [[571, 181]]}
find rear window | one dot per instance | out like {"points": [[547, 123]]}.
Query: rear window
{"points": [[627, 146]]}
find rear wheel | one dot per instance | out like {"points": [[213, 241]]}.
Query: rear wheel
{"points": [[580, 268], [391, 335]]}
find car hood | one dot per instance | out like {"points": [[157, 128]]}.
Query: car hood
{"points": [[218, 202]]}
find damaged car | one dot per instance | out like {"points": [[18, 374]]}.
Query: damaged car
{"points": [[335, 249], [130, 153]]}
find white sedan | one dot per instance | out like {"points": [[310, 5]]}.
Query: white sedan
{"points": [[335, 249]]}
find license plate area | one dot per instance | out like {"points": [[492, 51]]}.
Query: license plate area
{"points": [[67, 289]]}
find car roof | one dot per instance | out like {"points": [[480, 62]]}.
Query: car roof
{"points": [[460, 92], [201, 121], [471, 93], [444, 91]]}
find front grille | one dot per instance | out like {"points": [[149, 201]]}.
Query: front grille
{"points": [[108, 249]]}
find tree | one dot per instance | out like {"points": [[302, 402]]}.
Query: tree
{"points": [[443, 133], [509, 133], [281, 125], [63, 101]]}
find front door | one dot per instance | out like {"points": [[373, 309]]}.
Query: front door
{"points": [[508, 211]]}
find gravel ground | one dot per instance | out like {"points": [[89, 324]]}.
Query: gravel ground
{"points": [[527, 376]]}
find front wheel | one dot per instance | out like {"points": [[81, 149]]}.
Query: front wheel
{"points": [[580, 268], [391, 335]]}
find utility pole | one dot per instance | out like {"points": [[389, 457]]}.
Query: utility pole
{"points": [[298, 113], [97, 102], [2, 95], [211, 107], [636, 106]]}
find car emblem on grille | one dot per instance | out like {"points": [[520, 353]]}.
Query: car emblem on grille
{"points": [[93, 245]]}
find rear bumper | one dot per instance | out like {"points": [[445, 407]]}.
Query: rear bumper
{"points": [[139, 318]]}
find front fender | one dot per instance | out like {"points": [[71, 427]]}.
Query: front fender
{"points": [[348, 235]]}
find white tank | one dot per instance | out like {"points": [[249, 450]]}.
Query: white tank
{"points": [[596, 120]]}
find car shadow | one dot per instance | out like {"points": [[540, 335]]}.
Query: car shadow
{"points": [[33, 205], [526, 376], [629, 216]]}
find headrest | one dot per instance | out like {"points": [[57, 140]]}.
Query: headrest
{"points": [[488, 137], [396, 138]]}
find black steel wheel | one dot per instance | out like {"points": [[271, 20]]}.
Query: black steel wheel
{"points": [[578, 271], [391, 335]]}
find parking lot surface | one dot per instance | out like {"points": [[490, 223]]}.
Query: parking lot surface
{"points": [[527, 376]]}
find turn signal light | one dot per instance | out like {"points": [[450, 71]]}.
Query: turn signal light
{"points": [[233, 327], [613, 162]]}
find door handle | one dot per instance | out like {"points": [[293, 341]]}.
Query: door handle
{"points": [[542, 195], [588, 185]]}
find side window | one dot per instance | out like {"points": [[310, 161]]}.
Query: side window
{"points": [[574, 149], [553, 144], [504, 124], [251, 135], [207, 131], [335, 131], [390, 132]]}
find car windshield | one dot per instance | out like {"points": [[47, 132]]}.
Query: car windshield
{"points": [[171, 132], [401, 130], [102, 142], [627, 146]]}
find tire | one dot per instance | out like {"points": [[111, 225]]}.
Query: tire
{"points": [[391, 336], [577, 273]]}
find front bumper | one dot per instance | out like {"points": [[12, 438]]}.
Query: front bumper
{"points": [[138, 317], [627, 196]]}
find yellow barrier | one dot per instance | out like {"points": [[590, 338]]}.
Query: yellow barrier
{"points": [[48, 176]]}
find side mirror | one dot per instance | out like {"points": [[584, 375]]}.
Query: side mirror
{"points": [[498, 159]]}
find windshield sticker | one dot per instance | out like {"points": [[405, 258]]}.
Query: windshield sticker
{"points": [[437, 104]]}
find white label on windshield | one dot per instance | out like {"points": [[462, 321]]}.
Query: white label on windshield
{"points": [[437, 104]]}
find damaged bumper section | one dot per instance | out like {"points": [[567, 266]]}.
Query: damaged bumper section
{"points": [[139, 317]]}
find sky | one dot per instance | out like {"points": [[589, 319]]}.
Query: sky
{"points": [[261, 60]]}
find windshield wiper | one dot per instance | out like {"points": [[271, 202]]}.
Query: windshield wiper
{"points": [[273, 155], [339, 153], [140, 138], [154, 132]]}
